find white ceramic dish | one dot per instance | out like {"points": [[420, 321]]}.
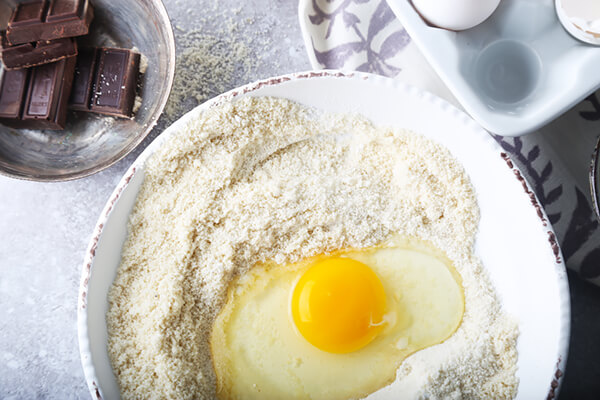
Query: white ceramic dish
{"points": [[515, 241], [513, 73]]}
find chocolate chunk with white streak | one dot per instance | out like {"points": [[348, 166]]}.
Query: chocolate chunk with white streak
{"points": [[115, 82]]}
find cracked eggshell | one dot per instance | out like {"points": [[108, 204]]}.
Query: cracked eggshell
{"points": [[581, 18]]}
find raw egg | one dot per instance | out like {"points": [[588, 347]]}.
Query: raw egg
{"points": [[338, 305], [334, 326], [455, 15]]}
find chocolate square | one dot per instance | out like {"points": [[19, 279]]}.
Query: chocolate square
{"points": [[33, 22]]}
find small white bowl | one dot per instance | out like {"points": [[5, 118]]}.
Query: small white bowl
{"points": [[513, 73]]}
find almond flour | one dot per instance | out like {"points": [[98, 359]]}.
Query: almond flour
{"points": [[267, 179]]}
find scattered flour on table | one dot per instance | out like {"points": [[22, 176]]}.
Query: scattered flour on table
{"points": [[208, 65], [220, 47], [267, 179], [212, 59]]}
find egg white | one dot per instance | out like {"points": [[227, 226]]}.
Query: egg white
{"points": [[258, 353]]}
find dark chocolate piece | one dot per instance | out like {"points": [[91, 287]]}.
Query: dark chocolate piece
{"points": [[12, 94], [48, 93], [116, 78], [36, 53], [65, 10], [49, 20], [36, 98], [81, 92], [108, 77], [28, 14]]}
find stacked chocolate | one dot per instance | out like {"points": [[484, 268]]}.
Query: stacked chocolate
{"points": [[45, 73]]}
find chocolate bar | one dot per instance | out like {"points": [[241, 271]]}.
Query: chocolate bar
{"points": [[49, 20], [116, 79], [36, 98], [12, 93], [35, 53], [105, 81], [83, 81]]}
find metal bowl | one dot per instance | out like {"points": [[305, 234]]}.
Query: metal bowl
{"points": [[90, 142], [595, 179]]}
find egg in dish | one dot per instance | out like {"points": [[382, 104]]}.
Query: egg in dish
{"points": [[334, 326]]}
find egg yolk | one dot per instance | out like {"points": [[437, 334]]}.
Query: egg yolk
{"points": [[338, 305]]}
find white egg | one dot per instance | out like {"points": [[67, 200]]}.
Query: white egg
{"points": [[455, 15]]}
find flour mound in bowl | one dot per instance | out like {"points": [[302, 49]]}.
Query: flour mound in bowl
{"points": [[266, 179]]}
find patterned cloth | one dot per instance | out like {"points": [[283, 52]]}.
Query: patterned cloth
{"points": [[365, 35]]}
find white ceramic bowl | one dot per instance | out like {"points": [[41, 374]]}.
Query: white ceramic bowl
{"points": [[516, 71], [515, 240]]}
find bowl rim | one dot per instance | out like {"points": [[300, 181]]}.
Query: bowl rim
{"points": [[7, 170], [87, 266], [594, 177]]}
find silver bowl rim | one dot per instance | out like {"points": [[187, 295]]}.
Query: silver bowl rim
{"points": [[7, 170], [594, 175]]}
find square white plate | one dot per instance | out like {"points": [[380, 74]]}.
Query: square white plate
{"points": [[513, 73]]}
